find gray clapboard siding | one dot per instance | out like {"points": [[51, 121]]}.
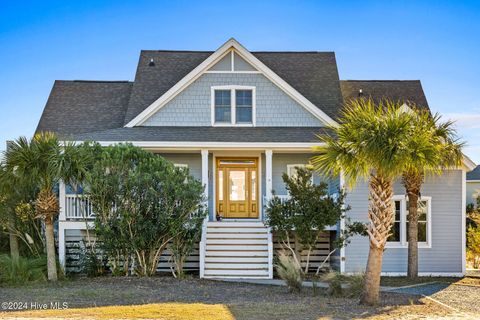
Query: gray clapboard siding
{"points": [[192, 107], [445, 255]]}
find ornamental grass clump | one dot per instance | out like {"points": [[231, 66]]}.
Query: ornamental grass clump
{"points": [[290, 271]]}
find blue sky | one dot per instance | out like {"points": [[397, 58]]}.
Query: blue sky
{"points": [[437, 42]]}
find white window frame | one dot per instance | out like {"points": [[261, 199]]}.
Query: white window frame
{"points": [[233, 106], [403, 243]]}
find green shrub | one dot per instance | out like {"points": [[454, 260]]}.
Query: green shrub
{"points": [[141, 202], [290, 271], [22, 270]]}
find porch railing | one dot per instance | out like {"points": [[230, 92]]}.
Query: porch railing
{"points": [[78, 207]]}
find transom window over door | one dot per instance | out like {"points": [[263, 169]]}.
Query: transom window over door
{"points": [[233, 106]]}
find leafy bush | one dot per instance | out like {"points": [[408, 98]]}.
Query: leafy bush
{"points": [[473, 246], [22, 270], [306, 214], [290, 271], [141, 202]]}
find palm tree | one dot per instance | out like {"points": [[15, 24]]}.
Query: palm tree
{"points": [[368, 144], [431, 147], [7, 199], [43, 162]]}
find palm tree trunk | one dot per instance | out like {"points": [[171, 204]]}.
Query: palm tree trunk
{"points": [[371, 288], [51, 256], [380, 215], [14, 247], [47, 207], [412, 236], [13, 238], [412, 182]]}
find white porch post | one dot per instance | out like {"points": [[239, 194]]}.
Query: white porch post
{"points": [[268, 196], [61, 227], [268, 173], [205, 171], [204, 226]]}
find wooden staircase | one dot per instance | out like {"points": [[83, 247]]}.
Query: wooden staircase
{"points": [[236, 250]]}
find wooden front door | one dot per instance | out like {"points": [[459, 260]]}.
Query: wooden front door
{"points": [[237, 187]]}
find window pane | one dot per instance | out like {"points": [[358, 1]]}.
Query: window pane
{"points": [[220, 185], [422, 211], [244, 114], [422, 232], [395, 232], [222, 106], [243, 100], [397, 210], [223, 114], [254, 185], [237, 185]]}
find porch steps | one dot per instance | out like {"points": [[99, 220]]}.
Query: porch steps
{"points": [[237, 250]]}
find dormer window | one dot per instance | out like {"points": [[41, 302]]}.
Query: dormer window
{"points": [[233, 106]]}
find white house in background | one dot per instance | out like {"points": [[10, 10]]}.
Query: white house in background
{"points": [[473, 186], [238, 120]]}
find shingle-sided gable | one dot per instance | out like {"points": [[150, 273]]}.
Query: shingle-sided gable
{"points": [[308, 76], [273, 107]]}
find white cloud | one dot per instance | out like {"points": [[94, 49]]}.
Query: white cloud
{"points": [[465, 120]]}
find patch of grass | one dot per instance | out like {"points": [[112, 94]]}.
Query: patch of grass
{"points": [[164, 311]]}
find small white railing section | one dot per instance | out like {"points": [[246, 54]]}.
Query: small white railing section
{"points": [[78, 207]]}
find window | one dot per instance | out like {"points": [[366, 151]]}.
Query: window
{"points": [[398, 239], [243, 99], [293, 168], [233, 106], [223, 106]]}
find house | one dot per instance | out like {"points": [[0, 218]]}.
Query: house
{"points": [[238, 120], [473, 186]]}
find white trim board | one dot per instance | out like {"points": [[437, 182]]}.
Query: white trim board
{"points": [[209, 62]]}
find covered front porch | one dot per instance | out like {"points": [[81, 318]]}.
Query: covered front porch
{"points": [[238, 182]]}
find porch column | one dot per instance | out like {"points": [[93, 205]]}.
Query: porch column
{"points": [[61, 222], [268, 173], [205, 173], [268, 196]]}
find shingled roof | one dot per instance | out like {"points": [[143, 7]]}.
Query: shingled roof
{"points": [[313, 74], [85, 106], [205, 134], [396, 90], [474, 174], [94, 110]]}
